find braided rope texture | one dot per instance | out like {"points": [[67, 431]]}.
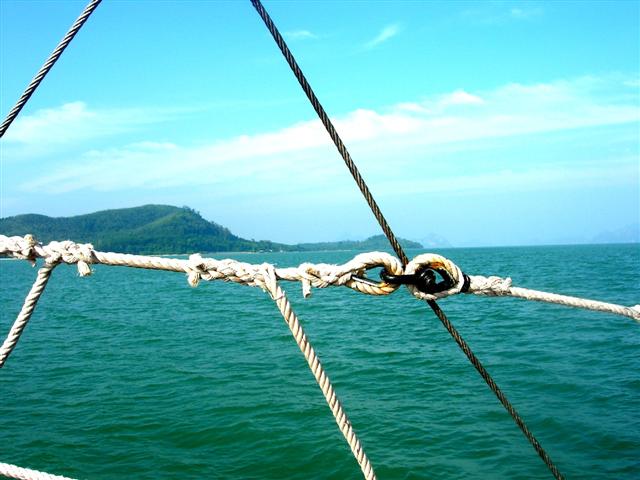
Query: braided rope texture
{"points": [[309, 275], [266, 276], [368, 196], [53, 58], [25, 313], [291, 319], [351, 274], [12, 471]]}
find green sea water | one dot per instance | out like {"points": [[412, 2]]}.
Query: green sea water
{"points": [[134, 374]]}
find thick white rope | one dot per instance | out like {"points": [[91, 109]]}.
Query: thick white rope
{"points": [[309, 275], [265, 276], [25, 313], [504, 289], [11, 471], [501, 287], [350, 274], [340, 416]]}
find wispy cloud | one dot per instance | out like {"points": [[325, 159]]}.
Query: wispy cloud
{"points": [[300, 35], [74, 122], [523, 13], [492, 13], [460, 97], [385, 34], [409, 132]]}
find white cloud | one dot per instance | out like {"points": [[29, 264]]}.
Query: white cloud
{"points": [[495, 13], [52, 124], [300, 35], [301, 157], [385, 34], [460, 97], [74, 122], [525, 179], [522, 13]]}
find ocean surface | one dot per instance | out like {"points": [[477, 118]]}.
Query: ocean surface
{"points": [[134, 374]]}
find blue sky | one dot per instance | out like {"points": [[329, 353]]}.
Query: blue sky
{"points": [[488, 123]]}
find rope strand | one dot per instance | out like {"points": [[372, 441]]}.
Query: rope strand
{"points": [[351, 274], [328, 125], [322, 379], [477, 364], [25, 313], [53, 58], [362, 185], [12, 471]]}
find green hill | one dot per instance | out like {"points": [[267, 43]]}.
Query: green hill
{"points": [[149, 229], [157, 229], [377, 242]]}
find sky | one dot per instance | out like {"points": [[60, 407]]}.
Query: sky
{"points": [[486, 123]]}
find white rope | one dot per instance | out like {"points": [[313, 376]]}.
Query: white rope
{"points": [[197, 268], [322, 379], [349, 274], [501, 287], [266, 276], [25, 313], [11, 471]]}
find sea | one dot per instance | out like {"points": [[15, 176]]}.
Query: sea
{"points": [[135, 374]]}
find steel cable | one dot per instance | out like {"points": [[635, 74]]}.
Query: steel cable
{"points": [[89, 9], [53, 58], [324, 118]]}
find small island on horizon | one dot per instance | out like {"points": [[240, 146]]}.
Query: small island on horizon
{"points": [[164, 229]]}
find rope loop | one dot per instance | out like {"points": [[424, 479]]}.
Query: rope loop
{"points": [[442, 265], [419, 275], [69, 252], [318, 275], [20, 247], [353, 273]]}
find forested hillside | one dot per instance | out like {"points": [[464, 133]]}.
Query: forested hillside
{"points": [[157, 229]]}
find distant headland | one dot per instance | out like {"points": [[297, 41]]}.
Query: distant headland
{"points": [[160, 229]]}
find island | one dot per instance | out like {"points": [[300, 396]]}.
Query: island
{"points": [[163, 229]]}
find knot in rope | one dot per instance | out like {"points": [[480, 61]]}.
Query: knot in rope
{"points": [[28, 248], [267, 279], [69, 252], [318, 275], [489, 286], [228, 270], [420, 274], [455, 281], [352, 274], [449, 270], [19, 247]]}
